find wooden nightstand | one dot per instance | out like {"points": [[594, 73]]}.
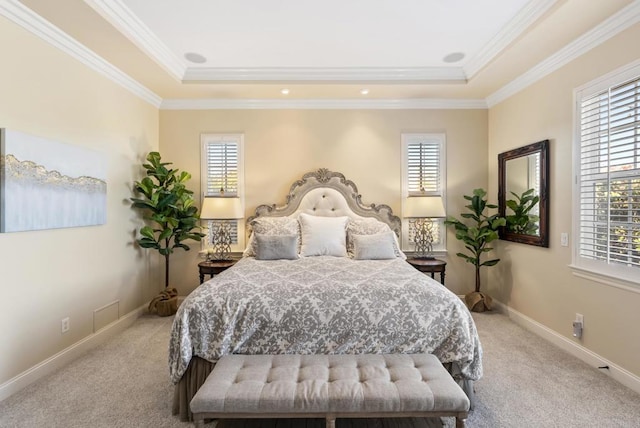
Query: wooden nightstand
{"points": [[214, 267], [429, 266]]}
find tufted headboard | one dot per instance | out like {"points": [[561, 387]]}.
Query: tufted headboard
{"points": [[328, 194]]}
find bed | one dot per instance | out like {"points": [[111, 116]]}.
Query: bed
{"points": [[322, 274]]}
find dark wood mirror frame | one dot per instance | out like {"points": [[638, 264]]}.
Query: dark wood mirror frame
{"points": [[542, 238]]}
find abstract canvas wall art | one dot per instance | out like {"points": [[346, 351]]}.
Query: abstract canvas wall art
{"points": [[45, 184]]}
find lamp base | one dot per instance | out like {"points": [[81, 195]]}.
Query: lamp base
{"points": [[221, 241], [423, 231]]}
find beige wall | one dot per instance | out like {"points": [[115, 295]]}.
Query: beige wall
{"points": [[364, 145], [48, 275], [538, 281]]}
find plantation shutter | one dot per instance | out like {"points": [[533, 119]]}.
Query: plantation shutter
{"points": [[609, 175], [221, 168], [423, 167], [534, 179]]}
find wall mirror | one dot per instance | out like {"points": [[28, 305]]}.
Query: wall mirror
{"points": [[523, 194]]}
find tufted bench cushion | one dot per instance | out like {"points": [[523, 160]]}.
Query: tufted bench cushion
{"points": [[329, 386]]}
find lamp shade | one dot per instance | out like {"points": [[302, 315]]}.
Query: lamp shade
{"points": [[424, 206], [221, 208]]}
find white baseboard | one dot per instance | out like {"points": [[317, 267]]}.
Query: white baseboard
{"points": [[616, 372], [67, 355]]}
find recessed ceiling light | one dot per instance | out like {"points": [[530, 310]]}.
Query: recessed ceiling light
{"points": [[364, 91], [285, 91], [195, 57], [453, 57]]}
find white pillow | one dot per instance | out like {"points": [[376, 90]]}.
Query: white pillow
{"points": [[323, 236], [374, 247]]}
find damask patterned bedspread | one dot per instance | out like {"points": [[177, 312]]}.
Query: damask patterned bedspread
{"points": [[323, 305]]}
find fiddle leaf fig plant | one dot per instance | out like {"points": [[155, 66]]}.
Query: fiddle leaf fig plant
{"points": [[169, 208], [521, 221], [481, 230]]}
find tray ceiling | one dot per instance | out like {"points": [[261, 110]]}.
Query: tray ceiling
{"points": [[412, 50]]}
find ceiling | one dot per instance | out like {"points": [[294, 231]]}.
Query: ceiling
{"points": [[429, 52], [322, 34]]}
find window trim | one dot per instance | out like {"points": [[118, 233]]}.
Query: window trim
{"points": [[407, 138], [220, 137], [616, 275]]}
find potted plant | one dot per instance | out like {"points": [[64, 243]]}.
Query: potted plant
{"points": [[476, 237], [169, 208], [521, 221]]}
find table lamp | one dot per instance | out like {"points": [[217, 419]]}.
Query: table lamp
{"points": [[222, 210]]}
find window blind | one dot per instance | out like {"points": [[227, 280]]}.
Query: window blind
{"points": [[609, 175], [221, 168], [423, 168]]}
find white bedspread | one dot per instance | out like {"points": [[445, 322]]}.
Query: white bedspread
{"points": [[323, 305]]}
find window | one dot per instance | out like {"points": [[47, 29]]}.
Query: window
{"points": [[608, 175], [423, 173], [533, 180], [221, 173]]}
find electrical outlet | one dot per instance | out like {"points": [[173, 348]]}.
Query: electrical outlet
{"points": [[578, 326], [564, 239], [64, 325]]}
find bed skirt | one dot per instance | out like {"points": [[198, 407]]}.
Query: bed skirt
{"points": [[186, 388], [465, 384], [199, 369]]}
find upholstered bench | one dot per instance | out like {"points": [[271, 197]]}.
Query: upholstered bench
{"points": [[329, 386]]}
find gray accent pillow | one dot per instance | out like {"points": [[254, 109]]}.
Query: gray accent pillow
{"points": [[370, 226], [271, 226], [379, 246], [276, 247]]}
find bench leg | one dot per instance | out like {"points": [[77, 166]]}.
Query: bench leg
{"points": [[460, 422], [199, 423], [331, 422]]}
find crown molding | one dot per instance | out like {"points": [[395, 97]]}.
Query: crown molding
{"points": [[610, 27], [518, 25], [121, 17], [319, 104], [325, 74], [16, 12], [32, 22]]}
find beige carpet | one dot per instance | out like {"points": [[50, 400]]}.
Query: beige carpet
{"points": [[124, 383]]}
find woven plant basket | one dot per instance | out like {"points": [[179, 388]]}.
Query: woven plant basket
{"points": [[166, 303], [478, 301]]}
